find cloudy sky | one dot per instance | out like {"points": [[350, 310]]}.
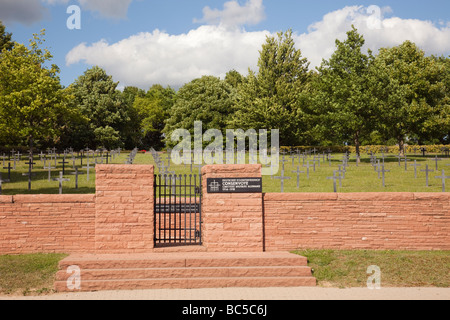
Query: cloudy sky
{"points": [[171, 42]]}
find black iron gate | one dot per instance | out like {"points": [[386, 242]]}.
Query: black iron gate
{"points": [[178, 210]]}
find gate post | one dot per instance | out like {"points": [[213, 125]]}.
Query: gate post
{"points": [[124, 218], [232, 222]]}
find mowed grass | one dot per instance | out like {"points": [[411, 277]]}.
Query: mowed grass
{"points": [[362, 178], [346, 269], [34, 274], [28, 274]]}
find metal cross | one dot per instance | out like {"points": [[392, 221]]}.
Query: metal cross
{"points": [[49, 168], [9, 170], [443, 177], [64, 165], [334, 178], [329, 158], [427, 171], [1, 182], [282, 178], [406, 163], [307, 169], [76, 174], [88, 167], [436, 160], [415, 165], [298, 176], [61, 179], [383, 171], [30, 164]]}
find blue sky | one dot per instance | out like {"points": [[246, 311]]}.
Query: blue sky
{"points": [[143, 42]]}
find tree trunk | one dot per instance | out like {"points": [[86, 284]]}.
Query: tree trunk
{"points": [[358, 149], [401, 146]]}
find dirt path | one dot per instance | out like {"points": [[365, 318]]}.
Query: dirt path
{"points": [[256, 294]]}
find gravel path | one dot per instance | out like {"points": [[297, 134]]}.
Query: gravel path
{"points": [[256, 294]]}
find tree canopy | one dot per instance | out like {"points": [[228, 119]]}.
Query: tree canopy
{"points": [[398, 95], [33, 104]]}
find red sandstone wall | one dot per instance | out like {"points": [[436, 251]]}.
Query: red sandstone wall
{"points": [[124, 219], [119, 218], [47, 223], [416, 221], [232, 222]]}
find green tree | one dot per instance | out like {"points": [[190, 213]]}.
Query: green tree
{"points": [[131, 134], [411, 93], [153, 110], [6, 42], [96, 96], [208, 99], [33, 104], [274, 97], [234, 78], [343, 99]]}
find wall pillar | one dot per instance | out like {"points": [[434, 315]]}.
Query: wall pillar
{"points": [[124, 218], [232, 222]]}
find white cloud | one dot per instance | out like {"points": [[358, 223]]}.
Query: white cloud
{"points": [[158, 57], [234, 15], [319, 42]]}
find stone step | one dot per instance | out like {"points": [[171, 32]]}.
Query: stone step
{"points": [[182, 260], [158, 273], [185, 271], [189, 283]]}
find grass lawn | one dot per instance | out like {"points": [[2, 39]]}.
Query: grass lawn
{"points": [[363, 178], [34, 274], [28, 274], [344, 269]]}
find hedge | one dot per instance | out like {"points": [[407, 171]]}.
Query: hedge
{"points": [[371, 149]]}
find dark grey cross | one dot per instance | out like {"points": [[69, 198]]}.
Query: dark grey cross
{"points": [[335, 178], [61, 179], [9, 170], [443, 177], [436, 159], [76, 174], [415, 165], [298, 176], [427, 171], [30, 164], [107, 157], [63, 165], [1, 182], [424, 150], [399, 157], [282, 178], [383, 171], [406, 162]]}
